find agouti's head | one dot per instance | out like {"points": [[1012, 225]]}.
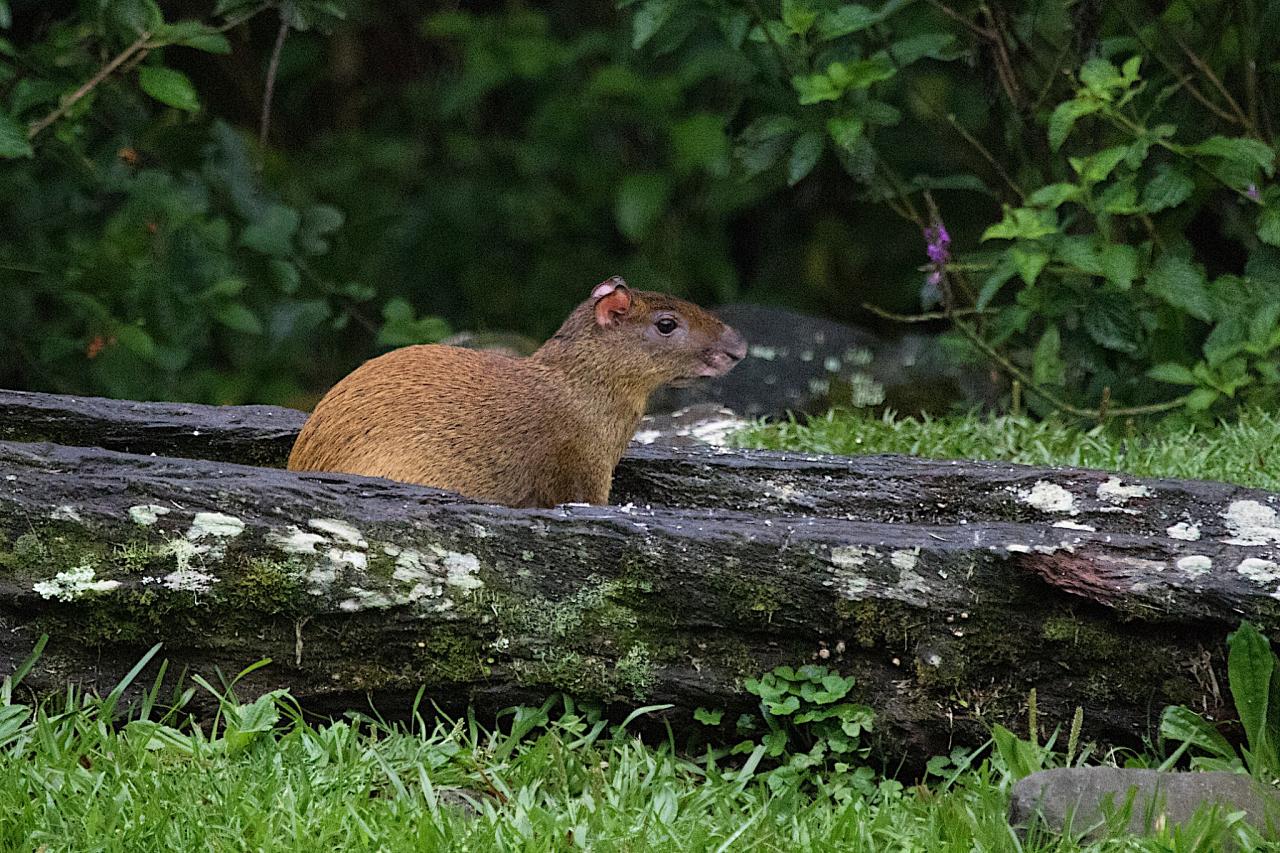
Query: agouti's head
{"points": [[652, 338]]}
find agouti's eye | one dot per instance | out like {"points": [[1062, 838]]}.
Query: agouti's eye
{"points": [[666, 325]]}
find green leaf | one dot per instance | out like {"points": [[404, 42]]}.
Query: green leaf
{"points": [[1064, 118], [1202, 398], [926, 45], [804, 156], [1226, 340], [272, 233], [169, 86], [845, 131], [860, 74], [285, 275], [784, 708], [236, 316], [641, 201], [6, 16], [1046, 362], [796, 17], [1029, 260], [1098, 167], [1269, 226], [1169, 187], [401, 328], [1182, 285], [847, 19], [1081, 252], [1100, 75], [1239, 149], [1111, 321], [13, 137], [1120, 264], [1054, 195], [136, 341], [1002, 273], [1186, 726], [815, 88], [700, 142], [1022, 223], [1250, 668], [708, 717], [1174, 374], [648, 19], [193, 34]]}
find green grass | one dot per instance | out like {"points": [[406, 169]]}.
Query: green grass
{"points": [[1236, 453], [263, 779]]}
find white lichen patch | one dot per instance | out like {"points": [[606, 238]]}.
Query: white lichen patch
{"points": [[1259, 571], [1017, 548], [339, 558], [646, 436], [363, 599], [851, 556], [854, 587], [1195, 564], [1252, 523], [1075, 525], [1114, 491], [911, 582], [1184, 531], [460, 569], [321, 578], [905, 560], [71, 584], [189, 580], [1048, 497], [66, 512], [214, 525], [339, 530], [147, 514], [297, 541]]}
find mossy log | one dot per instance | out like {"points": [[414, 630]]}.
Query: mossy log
{"points": [[949, 589]]}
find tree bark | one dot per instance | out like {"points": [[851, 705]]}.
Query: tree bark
{"points": [[948, 589]]}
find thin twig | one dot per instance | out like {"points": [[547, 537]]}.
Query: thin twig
{"points": [[926, 317], [986, 155], [272, 68], [89, 85], [979, 31], [1217, 83]]}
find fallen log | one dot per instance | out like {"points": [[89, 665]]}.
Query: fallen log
{"points": [[947, 589]]}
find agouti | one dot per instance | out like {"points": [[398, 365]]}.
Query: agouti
{"points": [[526, 432]]}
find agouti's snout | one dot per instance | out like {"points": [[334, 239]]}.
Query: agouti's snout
{"points": [[730, 349]]}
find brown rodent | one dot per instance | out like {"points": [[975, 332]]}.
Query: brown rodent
{"points": [[526, 432]]}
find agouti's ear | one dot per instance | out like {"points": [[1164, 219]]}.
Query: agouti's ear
{"points": [[613, 301]]}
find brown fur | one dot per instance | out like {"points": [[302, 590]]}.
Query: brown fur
{"points": [[533, 431]]}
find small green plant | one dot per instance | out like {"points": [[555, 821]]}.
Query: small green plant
{"points": [[812, 729], [1019, 757], [1255, 689]]}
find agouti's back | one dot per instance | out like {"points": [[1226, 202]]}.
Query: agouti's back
{"points": [[533, 431]]}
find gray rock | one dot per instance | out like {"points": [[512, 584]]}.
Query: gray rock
{"points": [[1089, 801], [804, 364]]}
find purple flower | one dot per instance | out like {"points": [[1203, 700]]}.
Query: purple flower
{"points": [[938, 243], [1252, 192]]}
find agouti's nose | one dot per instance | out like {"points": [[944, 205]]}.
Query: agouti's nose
{"points": [[733, 344]]}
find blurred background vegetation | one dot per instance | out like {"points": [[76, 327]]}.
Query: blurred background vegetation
{"points": [[1077, 192]]}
